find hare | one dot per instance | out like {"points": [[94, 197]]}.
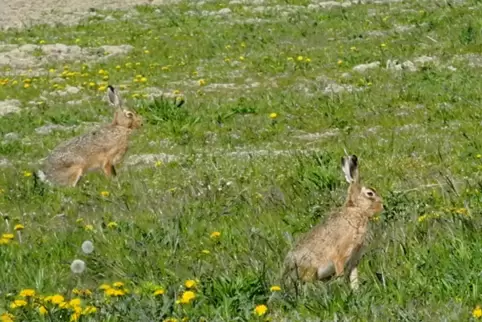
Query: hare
{"points": [[335, 247], [101, 148]]}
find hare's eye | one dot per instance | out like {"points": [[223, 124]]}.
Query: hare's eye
{"points": [[369, 193], [129, 114]]}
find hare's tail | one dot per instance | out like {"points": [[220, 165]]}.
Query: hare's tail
{"points": [[41, 175]]}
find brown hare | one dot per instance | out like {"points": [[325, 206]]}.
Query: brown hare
{"points": [[334, 248], [101, 148]]}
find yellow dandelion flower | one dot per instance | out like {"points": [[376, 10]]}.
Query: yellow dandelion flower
{"points": [[106, 78], [190, 283], [27, 174], [41, 41], [422, 218], [215, 234], [104, 287], [56, 299], [27, 292], [42, 310], [104, 193], [187, 297], [176, 92], [114, 292], [102, 88], [7, 236], [205, 251], [77, 40], [118, 284], [289, 59], [158, 292], [299, 58], [63, 305], [243, 44], [478, 156], [89, 310], [383, 45], [339, 62], [202, 82], [88, 228], [158, 164], [170, 320], [6, 317], [4, 241], [14, 82], [19, 227], [75, 317], [477, 312], [275, 288], [75, 302], [18, 303], [112, 225], [241, 58], [101, 72], [143, 80], [308, 60], [146, 52], [273, 116], [461, 211], [138, 64], [260, 310]]}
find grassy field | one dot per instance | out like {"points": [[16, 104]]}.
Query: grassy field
{"points": [[212, 195]]}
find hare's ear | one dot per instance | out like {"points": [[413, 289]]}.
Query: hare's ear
{"points": [[114, 97], [349, 166]]}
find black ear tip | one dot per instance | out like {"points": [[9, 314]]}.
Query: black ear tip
{"points": [[110, 87], [354, 159]]}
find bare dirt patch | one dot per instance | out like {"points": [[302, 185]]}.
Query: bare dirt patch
{"points": [[24, 13]]}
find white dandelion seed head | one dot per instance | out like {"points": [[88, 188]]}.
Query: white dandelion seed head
{"points": [[77, 266], [87, 247]]}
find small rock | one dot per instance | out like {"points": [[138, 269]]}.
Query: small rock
{"points": [[452, 68], [72, 89], [408, 65], [77, 102], [12, 136], [9, 106], [224, 11], [58, 80], [424, 59], [47, 129], [364, 67]]}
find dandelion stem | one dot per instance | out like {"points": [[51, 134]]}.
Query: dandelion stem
{"points": [[19, 234]]}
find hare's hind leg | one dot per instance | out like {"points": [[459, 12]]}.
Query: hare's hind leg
{"points": [[74, 175], [326, 270], [109, 169], [354, 278]]}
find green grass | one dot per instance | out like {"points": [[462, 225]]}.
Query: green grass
{"points": [[257, 181]]}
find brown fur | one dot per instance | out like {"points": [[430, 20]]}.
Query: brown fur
{"points": [[335, 247], [101, 148]]}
